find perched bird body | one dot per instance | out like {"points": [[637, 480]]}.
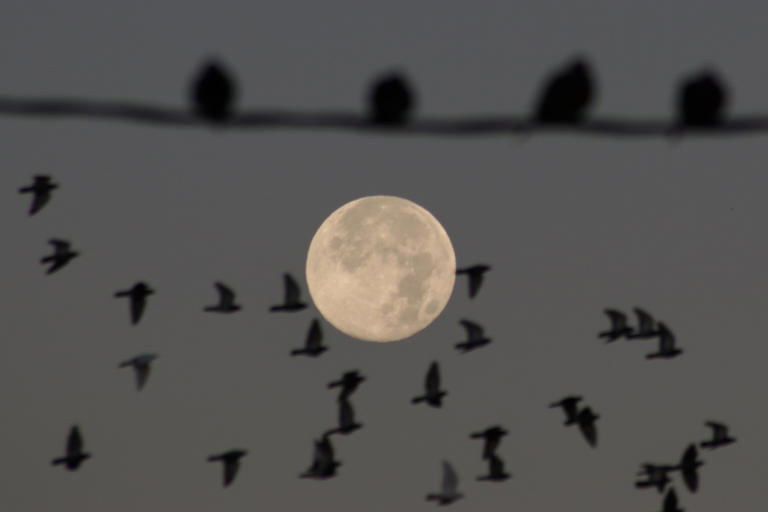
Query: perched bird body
{"points": [[41, 189], [391, 100], [667, 348], [292, 301], [75, 454], [570, 408], [349, 382], [586, 420], [701, 101], [496, 472], [137, 294], [448, 488], [619, 327], [475, 274], [323, 463], [433, 394], [213, 93], [314, 344], [141, 367], [475, 335], [231, 461], [62, 254], [492, 437], [567, 95], [720, 436], [226, 300], [347, 423]]}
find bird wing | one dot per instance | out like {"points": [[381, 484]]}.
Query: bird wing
{"points": [[74, 441], [231, 465], [587, 425], [59, 245], [474, 330], [666, 338], [292, 292], [142, 373], [346, 413], [432, 383], [226, 295], [39, 199], [450, 479], [475, 280], [644, 321], [314, 336], [495, 464], [670, 501], [618, 319], [719, 430], [138, 303]]}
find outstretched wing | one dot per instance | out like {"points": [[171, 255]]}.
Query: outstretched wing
{"points": [[645, 322], [474, 330], [74, 441], [450, 479], [226, 295], [142, 373], [314, 336], [292, 292], [666, 338], [618, 319], [432, 383]]}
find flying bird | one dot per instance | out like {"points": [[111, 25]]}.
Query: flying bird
{"points": [[347, 423], [141, 366], [646, 325], [41, 189], [349, 382], [448, 488], [62, 254], [231, 461], [619, 327], [496, 471], [567, 95], [670, 502], [701, 100], [656, 475], [137, 294], [667, 347], [720, 436], [391, 100], [213, 93], [75, 454], [433, 394], [475, 335], [323, 463], [492, 437], [475, 274], [689, 467], [569, 405], [226, 300], [292, 300], [586, 420], [314, 344]]}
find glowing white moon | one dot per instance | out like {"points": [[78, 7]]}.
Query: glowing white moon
{"points": [[380, 268]]}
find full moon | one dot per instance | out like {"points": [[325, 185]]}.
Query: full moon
{"points": [[380, 268]]}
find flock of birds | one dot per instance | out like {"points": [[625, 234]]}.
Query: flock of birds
{"points": [[565, 99]]}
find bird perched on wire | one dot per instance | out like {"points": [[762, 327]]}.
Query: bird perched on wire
{"points": [[475, 274], [496, 472], [74, 451], [448, 487], [720, 436], [619, 327], [390, 100], [231, 461], [701, 100], [226, 303], [41, 189], [313, 345], [433, 395], [213, 92], [137, 294], [324, 463], [570, 408], [348, 383], [567, 94], [62, 254], [292, 297], [141, 366], [492, 437], [475, 337]]}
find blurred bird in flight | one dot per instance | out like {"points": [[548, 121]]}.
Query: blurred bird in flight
{"points": [[475, 274], [41, 189], [62, 254], [141, 366], [231, 461], [137, 294], [292, 298], [226, 300], [75, 454]]}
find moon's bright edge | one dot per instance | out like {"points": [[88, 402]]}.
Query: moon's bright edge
{"points": [[380, 268]]}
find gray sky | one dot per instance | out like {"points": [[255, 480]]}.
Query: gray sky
{"points": [[571, 224]]}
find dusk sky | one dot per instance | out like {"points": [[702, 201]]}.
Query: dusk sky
{"points": [[571, 224]]}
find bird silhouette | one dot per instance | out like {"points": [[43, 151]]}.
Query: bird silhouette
{"points": [[141, 366], [569, 405], [496, 471], [567, 95], [314, 344], [292, 300], [720, 436], [433, 394], [475, 335], [492, 437], [349, 382], [670, 502], [689, 467], [667, 347], [74, 451], [646, 326], [323, 463], [137, 294], [62, 254], [656, 475], [448, 488], [213, 93], [391, 100], [41, 189], [586, 421], [231, 461], [619, 327], [701, 100], [475, 274], [226, 300], [347, 423]]}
